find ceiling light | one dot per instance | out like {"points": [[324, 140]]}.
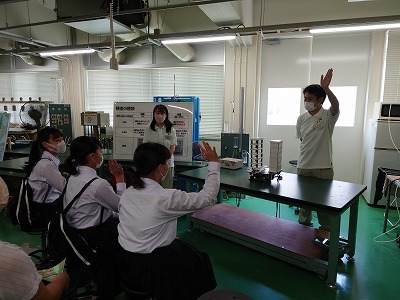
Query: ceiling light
{"points": [[199, 39], [65, 52], [354, 28]]}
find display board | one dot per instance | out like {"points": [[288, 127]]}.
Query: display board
{"points": [[60, 118], [4, 124], [132, 118]]}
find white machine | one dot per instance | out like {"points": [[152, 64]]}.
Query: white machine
{"points": [[231, 163], [383, 137]]}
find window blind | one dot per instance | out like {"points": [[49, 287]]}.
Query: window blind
{"points": [[392, 71], [27, 85], [141, 85]]}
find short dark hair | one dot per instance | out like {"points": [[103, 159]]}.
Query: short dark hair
{"points": [[316, 90], [147, 157]]}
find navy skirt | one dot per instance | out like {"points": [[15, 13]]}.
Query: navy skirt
{"points": [[178, 271]]}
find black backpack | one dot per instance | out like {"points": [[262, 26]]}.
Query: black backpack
{"points": [[23, 211], [64, 240]]}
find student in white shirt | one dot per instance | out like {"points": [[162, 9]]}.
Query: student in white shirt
{"points": [[153, 259], [19, 279], [94, 214], [315, 129], [161, 131], [46, 180], [4, 194]]}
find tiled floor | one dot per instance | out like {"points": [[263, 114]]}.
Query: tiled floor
{"points": [[375, 274]]}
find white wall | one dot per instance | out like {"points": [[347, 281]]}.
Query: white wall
{"points": [[356, 60]]}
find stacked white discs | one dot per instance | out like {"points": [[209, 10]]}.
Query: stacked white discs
{"points": [[256, 152], [275, 156]]}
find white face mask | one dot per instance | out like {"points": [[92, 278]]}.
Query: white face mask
{"points": [[309, 106], [58, 148], [163, 176], [98, 165], [159, 118]]}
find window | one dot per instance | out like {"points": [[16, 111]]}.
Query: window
{"points": [[283, 106], [141, 85], [25, 85], [347, 96], [391, 90]]}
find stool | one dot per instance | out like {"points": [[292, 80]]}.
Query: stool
{"points": [[43, 238], [80, 277], [224, 295], [135, 295]]}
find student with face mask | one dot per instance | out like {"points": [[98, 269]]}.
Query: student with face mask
{"points": [[315, 130], [45, 178], [94, 214], [153, 259], [161, 131]]}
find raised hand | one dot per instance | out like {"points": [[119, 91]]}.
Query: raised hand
{"points": [[326, 80], [116, 169], [208, 153]]}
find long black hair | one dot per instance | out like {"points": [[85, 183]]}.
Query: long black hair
{"points": [[37, 147], [168, 124], [147, 157], [80, 147]]}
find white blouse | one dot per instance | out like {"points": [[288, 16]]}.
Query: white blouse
{"points": [[148, 216]]}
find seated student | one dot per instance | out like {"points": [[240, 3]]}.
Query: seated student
{"points": [[153, 260], [45, 179], [20, 280], [94, 214], [4, 194]]}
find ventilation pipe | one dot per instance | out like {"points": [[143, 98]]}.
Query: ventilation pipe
{"points": [[8, 45], [106, 55], [182, 51], [32, 60]]}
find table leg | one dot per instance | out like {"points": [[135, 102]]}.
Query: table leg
{"points": [[385, 221], [353, 219], [333, 251]]}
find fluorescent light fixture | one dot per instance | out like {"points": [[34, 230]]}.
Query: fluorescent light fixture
{"points": [[199, 39], [66, 52], [354, 28]]}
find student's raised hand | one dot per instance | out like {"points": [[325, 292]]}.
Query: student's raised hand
{"points": [[326, 80], [116, 170], [208, 153]]}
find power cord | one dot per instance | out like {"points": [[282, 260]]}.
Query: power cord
{"points": [[387, 241]]}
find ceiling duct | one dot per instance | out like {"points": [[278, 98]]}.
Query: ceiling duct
{"points": [[8, 45], [106, 55], [184, 52], [32, 60]]}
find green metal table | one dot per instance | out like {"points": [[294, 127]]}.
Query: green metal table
{"points": [[329, 196]]}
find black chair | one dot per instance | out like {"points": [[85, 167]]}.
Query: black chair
{"points": [[81, 285], [40, 254], [136, 295]]}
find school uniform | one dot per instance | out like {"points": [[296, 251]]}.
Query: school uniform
{"points": [[153, 259], [95, 218], [47, 184], [161, 136], [19, 279]]}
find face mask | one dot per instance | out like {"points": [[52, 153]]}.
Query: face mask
{"points": [[309, 106], [163, 176], [159, 118], [58, 148], [98, 165]]}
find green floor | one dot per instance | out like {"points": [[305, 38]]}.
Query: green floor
{"points": [[375, 274]]}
